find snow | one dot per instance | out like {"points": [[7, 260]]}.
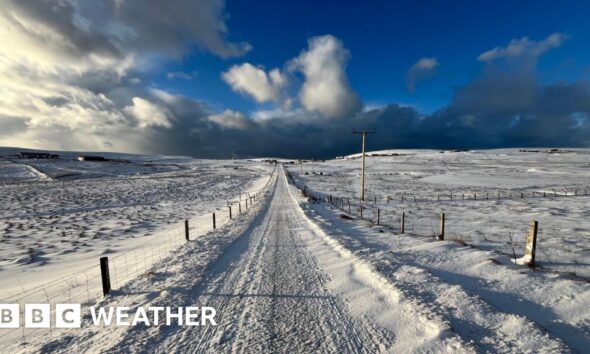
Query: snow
{"points": [[105, 209], [473, 283], [291, 274], [499, 224]]}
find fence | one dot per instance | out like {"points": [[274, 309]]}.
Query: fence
{"points": [[508, 237], [566, 192], [87, 286]]}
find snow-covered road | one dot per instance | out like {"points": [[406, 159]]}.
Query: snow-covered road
{"points": [[273, 294], [283, 280]]}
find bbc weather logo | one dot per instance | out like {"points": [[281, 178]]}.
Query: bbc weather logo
{"points": [[39, 316]]}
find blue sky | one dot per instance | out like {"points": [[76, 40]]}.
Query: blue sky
{"points": [[214, 78], [386, 38]]}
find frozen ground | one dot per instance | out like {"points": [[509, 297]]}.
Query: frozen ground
{"points": [[293, 275], [298, 278], [66, 213], [498, 224]]}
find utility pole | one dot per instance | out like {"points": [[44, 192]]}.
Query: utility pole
{"points": [[364, 135]]}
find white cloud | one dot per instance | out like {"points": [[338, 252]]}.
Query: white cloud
{"points": [[277, 78], [287, 115], [181, 75], [247, 78], [524, 47], [148, 114], [231, 120], [423, 69], [69, 70], [326, 88], [426, 64]]}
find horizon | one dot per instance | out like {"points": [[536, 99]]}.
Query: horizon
{"points": [[368, 152]]}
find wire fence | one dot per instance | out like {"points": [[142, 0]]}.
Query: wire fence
{"points": [[85, 287], [478, 196], [507, 236]]}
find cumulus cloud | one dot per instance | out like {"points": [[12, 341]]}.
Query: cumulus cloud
{"points": [[254, 81], [70, 70], [326, 89], [231, 120], [523, 48], [148, 114], [423, 69]]}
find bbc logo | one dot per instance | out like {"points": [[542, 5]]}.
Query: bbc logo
{"points": [[39, 316]]}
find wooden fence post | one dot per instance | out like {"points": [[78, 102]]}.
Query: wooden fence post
{"points": [[186, 233], [229, 207], [531, 244], [361, 211], [104, 273], [239, 207], [214, 226], [441, 235], [348, 204], [378, 216], [403, 222]]}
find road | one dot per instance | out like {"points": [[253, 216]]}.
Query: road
{"points": [[282, 288]]}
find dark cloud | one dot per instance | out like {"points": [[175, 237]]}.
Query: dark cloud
{"points": [[173, 25], [491, 112], [11, 125], [115, 29], [54, 23]]}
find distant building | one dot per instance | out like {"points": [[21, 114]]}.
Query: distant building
{"points": [[37, 155], [91, 158]]}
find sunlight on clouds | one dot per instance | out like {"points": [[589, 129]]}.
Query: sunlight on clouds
{"points": [[231, 120], [524, 47], [148, 114], [254, 81], [423, 69], [64, 69], [326, 88]]}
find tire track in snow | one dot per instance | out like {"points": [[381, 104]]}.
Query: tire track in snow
{"points": [[274, 293]]}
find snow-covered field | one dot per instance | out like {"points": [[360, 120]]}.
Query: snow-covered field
{"points": [[290, 274], [65, 214], [486, 221]]}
